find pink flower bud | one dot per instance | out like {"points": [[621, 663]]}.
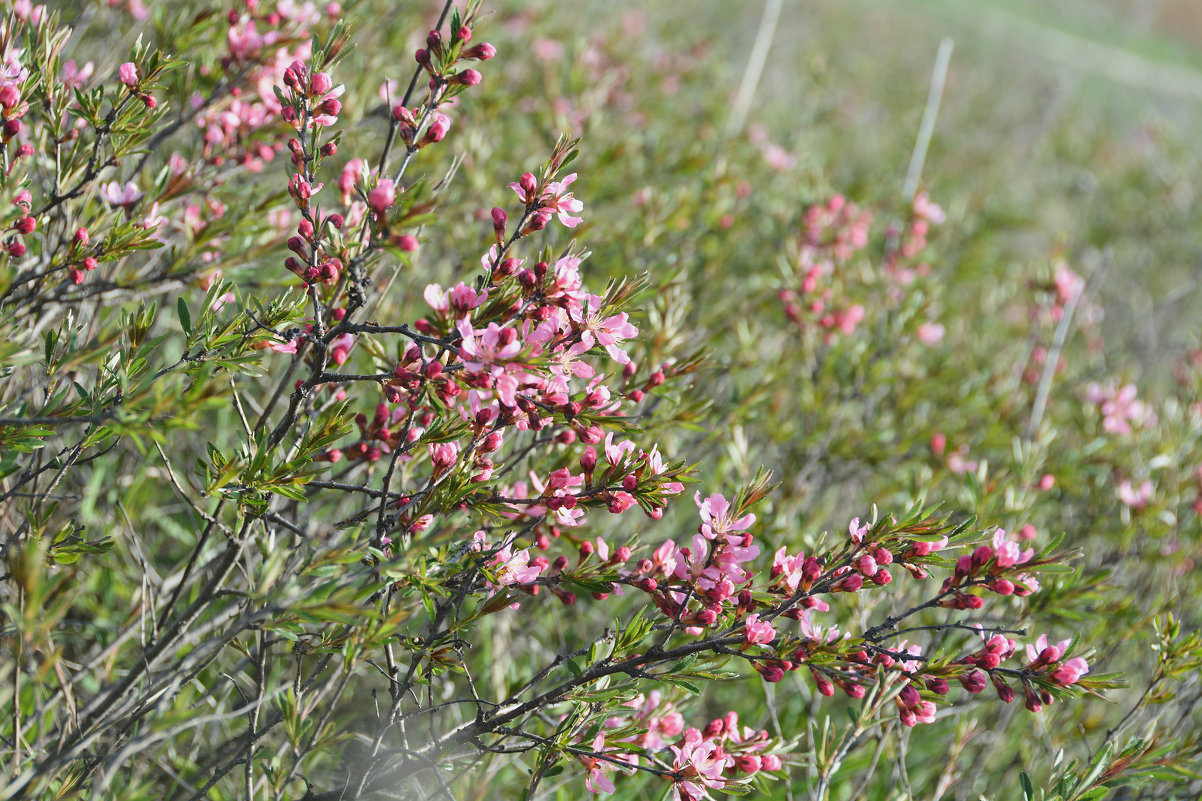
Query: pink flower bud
{"points": [[588, 460], [481, 52], [382, 196], [528, 183], [26, 225], [129, 73], [974, 682], [1004, 691], [320, 83], [464, 34], [465, 78], [81, 237], [937, 686]]}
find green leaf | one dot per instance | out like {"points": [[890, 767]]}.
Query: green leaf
{"points": [[1028, 790], [185, 319]]}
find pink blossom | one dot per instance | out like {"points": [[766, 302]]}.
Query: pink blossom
{"points": [[717, 519], [699, 763], [124, 196], [930, 333], [487, 349], [926, 209], [756, 631], [553, 198], [1043, 653], [1135, 498], [598, 781], [460, 298], [1009, 553], [1121, 410], [1068, 284], [75, 76], [608, 332], [443, 455], [857, 530], [1070, 672], [512, 567], [616, 453]]}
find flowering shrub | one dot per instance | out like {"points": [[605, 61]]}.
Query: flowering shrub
{"points": [[393, 495]]}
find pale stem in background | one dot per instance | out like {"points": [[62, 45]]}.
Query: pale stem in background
{"points": [[755, 67], [929, 115]]}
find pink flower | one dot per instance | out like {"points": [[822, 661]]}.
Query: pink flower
{"points": [[1008, 553], [1043, 653], [717, 520], [443, 455], [129, 73], [489, 348], [1121, 410], [925, 209], [460, 298], [124, 196], [608, 332], [1135, 498], [509, 567], [857, 530], [1070, 672], [930, 333], [553, 198], [75, 76], [699, 763], [756, 631], [598, 781]]}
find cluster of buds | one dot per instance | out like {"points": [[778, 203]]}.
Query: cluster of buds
{"points": [[906, 243], [410, 122], [23, 225], [415, 375], [832, 233], [312, 101], [995, 567], [12, 103], [439, 58], [83, 261], [316, 258]]}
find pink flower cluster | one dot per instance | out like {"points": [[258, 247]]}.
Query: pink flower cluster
{"points": [[702, 759], [907, 244], [1121, 409], [543, 200], [832, 233]]}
